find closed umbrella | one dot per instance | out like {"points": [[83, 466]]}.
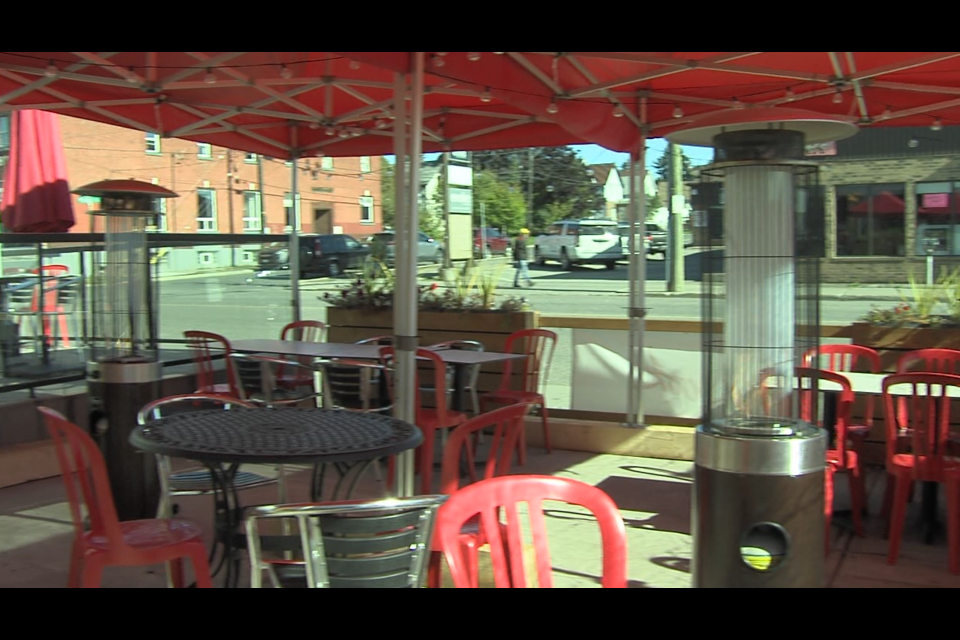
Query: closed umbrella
{"points": [[36, 195]]}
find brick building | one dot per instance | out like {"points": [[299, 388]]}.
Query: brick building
{"points": [[221, 190]]}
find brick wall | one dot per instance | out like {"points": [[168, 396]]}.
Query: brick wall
{"points": [[96, 151]]}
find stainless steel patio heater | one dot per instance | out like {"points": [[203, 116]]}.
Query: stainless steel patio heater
{"points": [[758, 508], [123, 371]]}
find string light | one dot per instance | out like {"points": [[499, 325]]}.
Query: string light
{"points": [[789, 95], [330, 131], [381, 124], [485, 96], [937, 125], [887, 113], [737, 104], [51, 71], [498, 53], [210, 78], [552, 107], [618, 111], [837, 97], [677, 111], [285, 72], [441, 53], [314, 125], [438, 61], [343, 133], [132, 76], [473, 57], [354, 64]]}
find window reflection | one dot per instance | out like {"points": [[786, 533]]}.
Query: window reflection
{"points": [[870, 220]]}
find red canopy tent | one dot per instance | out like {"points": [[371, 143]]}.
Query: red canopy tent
{"points": [[884, 203], [36, 195]]}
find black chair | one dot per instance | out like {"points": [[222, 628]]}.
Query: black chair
{"points": [[257, 378], [351, 544]]}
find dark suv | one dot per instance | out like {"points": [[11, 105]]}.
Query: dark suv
{"points": [[326, 255]]}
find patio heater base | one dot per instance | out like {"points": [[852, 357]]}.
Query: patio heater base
{"points": [[117, 392]]}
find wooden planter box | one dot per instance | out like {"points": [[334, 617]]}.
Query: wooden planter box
{"points": [[488, 327], [892, 342]]}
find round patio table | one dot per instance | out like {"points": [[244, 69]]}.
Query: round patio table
{"points": [[223, 440]]}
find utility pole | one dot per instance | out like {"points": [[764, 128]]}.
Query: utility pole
{"points": [[233, 250], [675, 270], [530, 187], [446, 209]]}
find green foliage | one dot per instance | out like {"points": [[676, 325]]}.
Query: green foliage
{"points": [[387, 193], [662, 164], [504, 205], [919, 307]]}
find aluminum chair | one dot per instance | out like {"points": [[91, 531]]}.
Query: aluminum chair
{"points": [[374, 544], [256, 377]]}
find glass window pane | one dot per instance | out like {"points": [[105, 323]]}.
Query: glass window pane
{"points": [[870, 220]]}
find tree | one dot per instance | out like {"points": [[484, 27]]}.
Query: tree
{"points": [[504, 204], [662, 164], [387, 192], [563, 186]]}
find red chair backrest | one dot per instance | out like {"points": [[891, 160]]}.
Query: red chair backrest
{"points": [[506, 422], [538, 345], [843, 357], [925, 411], [85, 478], [204, 345], [488, 498], [436, 369], [810, 392], [930, 361]]}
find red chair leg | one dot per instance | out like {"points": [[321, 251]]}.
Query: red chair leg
{"points": [[76, 566], [953, 524], [901, 493], [92, 569], [546, 427], [828, 503], [176, 573], [201, 568], [856, 500]]}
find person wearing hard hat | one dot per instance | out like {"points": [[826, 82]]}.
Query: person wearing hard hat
{"points": [[521, 258]]}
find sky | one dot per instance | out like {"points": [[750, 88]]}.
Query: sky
{"points": [[595, 154]]}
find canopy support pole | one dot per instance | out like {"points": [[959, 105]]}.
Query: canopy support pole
{"points": [[293, 241], [638, 276]]}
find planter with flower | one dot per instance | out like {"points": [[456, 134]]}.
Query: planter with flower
{"points": [[469, 309], [929, 317]]}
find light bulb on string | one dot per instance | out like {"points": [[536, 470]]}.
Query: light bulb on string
{"points": [[552, 107], [913, 143], [789, 95], [618, 111], [499, 53], [210, 78], [473, 57], [132, 76], [343, 133], [737, 104], [677, 111], [937, 125], [438, 61], [330, 131], [837, 97], [285, 72], [485, 96], [51, 70], [887, 113], [441, 53], [381, 124], [314, 125], [354, 64]]}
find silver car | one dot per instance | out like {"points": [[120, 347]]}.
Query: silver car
{"points": [[428, 249]]}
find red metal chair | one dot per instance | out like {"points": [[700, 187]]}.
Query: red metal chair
{"points": [[530, 379], [812, 382], [487, 500], [930, 361], [926, 414], [430, 420], [109, 542], [828, 501], [301, 331], [506, 422], [849, 357], [205, 345]]}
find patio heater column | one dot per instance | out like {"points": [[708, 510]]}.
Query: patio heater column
{"points": [[758, 512], [123, 371]]}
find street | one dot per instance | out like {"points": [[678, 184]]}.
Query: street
{"points": [[242, 306]]}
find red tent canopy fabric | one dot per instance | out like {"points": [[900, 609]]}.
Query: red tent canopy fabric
{"points": [[36, 193], [285, 104], [884, 203]]}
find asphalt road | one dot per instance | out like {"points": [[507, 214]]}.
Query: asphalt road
{"points": [[242, 306]]}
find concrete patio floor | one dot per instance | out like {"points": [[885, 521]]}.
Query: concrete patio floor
{"points": [[653, 496]]}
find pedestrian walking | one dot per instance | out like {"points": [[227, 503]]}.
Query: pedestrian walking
{"points": [[521, 258]]}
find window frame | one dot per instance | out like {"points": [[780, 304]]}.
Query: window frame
{"points": [[872, 232], [155, 139], [257, 226], [202, 222], [204, 151], [368, 164], [367, 204]]}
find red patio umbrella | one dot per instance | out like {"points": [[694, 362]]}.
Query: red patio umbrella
{"points": [[882, 203], [36, 196]]}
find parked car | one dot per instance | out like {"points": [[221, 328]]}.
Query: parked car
{"points": [[585, 241], [326, 254], [655, 239], [496, 242], [383, 246]]}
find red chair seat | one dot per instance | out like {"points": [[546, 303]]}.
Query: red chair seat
{"points": [[148, 534], [925, 466]]}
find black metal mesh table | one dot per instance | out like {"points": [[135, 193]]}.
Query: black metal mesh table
{"points": [[223, 440]]}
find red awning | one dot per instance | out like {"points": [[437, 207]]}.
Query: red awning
{"points": [[884, 203], [36, 195]]}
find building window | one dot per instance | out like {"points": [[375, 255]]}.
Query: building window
{"points": [[292, 216], [152, 142], [4, 135], [252, 220], [159, 220], [366, 209], [870, 220], [204, 151], [938, 226], [206, 210], [250, 158], [207, 258], [364, 164], [326, 163], [249, 257]]}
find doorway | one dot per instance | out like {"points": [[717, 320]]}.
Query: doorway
{"points": [[322, 219]]}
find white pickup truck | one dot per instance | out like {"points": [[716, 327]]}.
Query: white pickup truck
{"points": [[585, 241]]}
